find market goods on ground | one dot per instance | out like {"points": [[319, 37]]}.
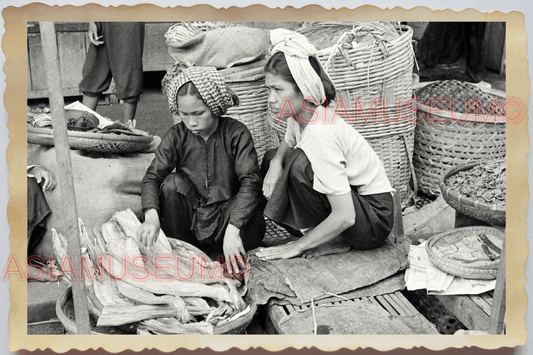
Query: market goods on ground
{"points": [[484, 182], [169, 288]]}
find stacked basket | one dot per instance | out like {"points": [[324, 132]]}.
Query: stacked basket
{"points": [[376, 74], [450, 133], [248, 82]]}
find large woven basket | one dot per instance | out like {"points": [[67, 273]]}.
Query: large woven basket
{"points": [[483, 268], [446, 139], [65, 313], [92, 142], [248, 82], [373, 77], [490, 213]]}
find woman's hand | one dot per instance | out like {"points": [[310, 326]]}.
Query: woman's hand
{"points": [[285, 251], [149, 231], [41, 174], [234, 252], [271, 179], [93, 34]]}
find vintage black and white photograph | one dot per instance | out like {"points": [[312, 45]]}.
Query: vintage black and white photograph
{"points": [[259, 178]]}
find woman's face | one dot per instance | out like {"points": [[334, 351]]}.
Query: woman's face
{"points": [[284, 97], [196, 116]]}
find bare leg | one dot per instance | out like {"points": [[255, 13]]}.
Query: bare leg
{"points": [[335, 246], [91, 101], [129, 112]]}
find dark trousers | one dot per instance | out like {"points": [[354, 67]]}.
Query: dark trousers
{"points": [[179, 202], [38, 210], [120, 57], [295, 204]]}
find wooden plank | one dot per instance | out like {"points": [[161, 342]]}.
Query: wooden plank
{"points": [[71, 47], [33, 27], [385, 304], [398, 306], [155, 54], [497, 318], [412, 310], [468, 313], [481, 303], [65, 178], [36, 60], [275, 314]]}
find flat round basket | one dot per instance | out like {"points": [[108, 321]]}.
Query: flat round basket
{"points": [[450, 132], [468, 252], [65, 314], [489, 213], [92, 142]]}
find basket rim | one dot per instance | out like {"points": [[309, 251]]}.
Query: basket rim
{"points": [[463, 270], [95, 136], [449, 193], [217, 330], [461, 117]]}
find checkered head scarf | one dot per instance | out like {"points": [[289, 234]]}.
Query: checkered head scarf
{"points": [[207, 81]]}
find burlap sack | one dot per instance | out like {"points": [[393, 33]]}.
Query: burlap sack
{"points": [[103, 183]]}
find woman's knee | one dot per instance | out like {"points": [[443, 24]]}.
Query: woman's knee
{"points": [[176, 182]]}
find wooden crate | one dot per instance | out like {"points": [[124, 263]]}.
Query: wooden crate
{"points": [[394, 303]]}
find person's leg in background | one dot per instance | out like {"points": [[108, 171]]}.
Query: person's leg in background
{"points": [[473, 40]]}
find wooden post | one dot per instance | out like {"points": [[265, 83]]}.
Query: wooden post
{"points": [[65, 179], [497, 313]]}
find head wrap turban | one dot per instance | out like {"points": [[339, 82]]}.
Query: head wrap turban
{"points": [[297, 50], [207, 81]]}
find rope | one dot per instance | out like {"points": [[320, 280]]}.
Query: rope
{"points": [[313, 307]]}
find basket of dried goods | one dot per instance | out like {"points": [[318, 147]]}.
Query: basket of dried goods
{"points": [[459, 123], [477, 190], [169, 288], [370, 64], [468, 252]]}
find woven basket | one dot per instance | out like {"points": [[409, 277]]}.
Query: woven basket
{"points": [[484, 268], [447, 139], [490, 213], [390, 129], [248, 82], [65, 313], [92, 142]]}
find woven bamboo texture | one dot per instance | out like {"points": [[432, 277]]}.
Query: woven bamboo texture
{"points": [[92, 142], [482, 270], [248, 82], [490, 213], [442, 142], [65, 313], [372, 93]]}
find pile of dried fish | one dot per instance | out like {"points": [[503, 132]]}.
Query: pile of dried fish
{"points": [[484, 182], [170, 288]]}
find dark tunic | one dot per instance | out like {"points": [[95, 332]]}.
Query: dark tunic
{"points": [[219, 178]]}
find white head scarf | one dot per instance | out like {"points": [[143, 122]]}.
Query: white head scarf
{"points": [[297, 50]]}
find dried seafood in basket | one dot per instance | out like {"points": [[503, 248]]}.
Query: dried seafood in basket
{"points": [[484, 182], [170, 288]]}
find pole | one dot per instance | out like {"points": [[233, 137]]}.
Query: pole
{"points": [[65, 179]]}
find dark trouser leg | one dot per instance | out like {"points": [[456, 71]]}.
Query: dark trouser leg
{"points": [[177, 199], [38, 210], [473, 36], [252, 233]]}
